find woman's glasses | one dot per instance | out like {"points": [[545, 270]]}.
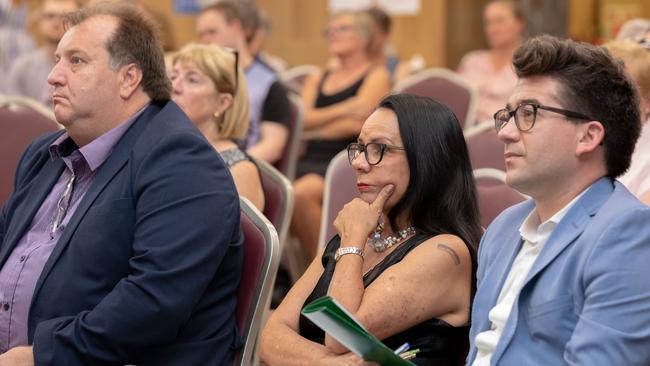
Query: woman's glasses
{"points": [[373, 151]]}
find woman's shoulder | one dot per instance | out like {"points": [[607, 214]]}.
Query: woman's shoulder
{"points": [[474, 59], [447, 246], [378, 72], [480, 55]]}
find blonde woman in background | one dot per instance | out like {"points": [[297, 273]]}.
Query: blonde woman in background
{"points": [[336, 101], [209, 86], [637, 65]]}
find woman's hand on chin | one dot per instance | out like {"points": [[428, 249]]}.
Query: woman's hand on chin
{"points": [[358, 218]]}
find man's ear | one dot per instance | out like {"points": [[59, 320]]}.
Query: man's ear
{"points": [[130, 80], [592, 135]]}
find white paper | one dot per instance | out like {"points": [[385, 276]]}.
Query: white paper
{"points": [[336, 6], [400, 7]]}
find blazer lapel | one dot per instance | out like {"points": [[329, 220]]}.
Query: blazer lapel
{"points": [[572, 225], [118, 158], [501, 266], [27, 208]]}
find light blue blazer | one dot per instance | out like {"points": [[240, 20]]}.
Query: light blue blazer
{"points": [[586, 300]]}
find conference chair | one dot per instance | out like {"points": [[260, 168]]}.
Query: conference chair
{"points": [[447, 87], [340, 188], [278, 198], [484, 147], [21, 121], [294, 78], [261, 259], [494, 195], [287, 163]]}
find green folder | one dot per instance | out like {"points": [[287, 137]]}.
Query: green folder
{"points": [[331, 317]]}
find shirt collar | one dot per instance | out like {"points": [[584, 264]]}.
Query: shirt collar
{"points": [[532, 229], [98, 150]]}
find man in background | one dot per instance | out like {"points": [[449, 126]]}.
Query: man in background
{"points": [[28, 75], [232, 24]]}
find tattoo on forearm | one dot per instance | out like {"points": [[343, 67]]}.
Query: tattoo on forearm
{"points": [[451, 252]]}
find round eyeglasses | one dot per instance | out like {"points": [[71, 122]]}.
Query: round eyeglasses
{"points": [[526, 113], [373, 151]]}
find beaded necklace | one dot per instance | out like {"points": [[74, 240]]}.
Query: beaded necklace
{"points": [[380, 245]]}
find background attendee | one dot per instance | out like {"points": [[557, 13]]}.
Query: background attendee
{"points": [[211, 89], [634, 30], [121, 243], [637, 64], [415, 283], [491, 70], [28, 75], [563, 277], [232, 24], [336, 101], [14, 41], [257, 45], [380, 50]]}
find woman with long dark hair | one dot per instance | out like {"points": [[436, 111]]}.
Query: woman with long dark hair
{"points": [[404, 259]]}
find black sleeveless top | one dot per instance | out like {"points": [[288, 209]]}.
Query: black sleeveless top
{"points": [[440, 344], [319, 152]]}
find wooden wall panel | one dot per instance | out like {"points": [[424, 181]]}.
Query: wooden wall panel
{"points": [[298, 25], [441, 33]]}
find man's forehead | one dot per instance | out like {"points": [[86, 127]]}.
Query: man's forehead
{"points": [[543, 89], [59, 5], [89, 33]]}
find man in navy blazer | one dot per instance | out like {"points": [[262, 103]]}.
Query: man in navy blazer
{"points": [[121, 241], [564, 278]]}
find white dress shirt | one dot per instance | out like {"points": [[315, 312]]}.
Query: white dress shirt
{"points": [[535, 236]]}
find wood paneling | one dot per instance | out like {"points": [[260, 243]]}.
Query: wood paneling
{"points": [[298, 25], [443, 31]]}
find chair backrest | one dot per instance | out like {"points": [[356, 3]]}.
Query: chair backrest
{"points": [[21, 121], [294, 78], [278, 198], [287, 163], [444, 86], [494, 195], [261, 260], [340, 188], [484, 147]]}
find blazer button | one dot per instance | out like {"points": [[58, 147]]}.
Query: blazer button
{"points": [[5, 306]]}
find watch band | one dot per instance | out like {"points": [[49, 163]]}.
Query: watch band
{"points": [[347, 250]]}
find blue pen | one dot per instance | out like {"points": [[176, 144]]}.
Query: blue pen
{"points": [[403, 348]]}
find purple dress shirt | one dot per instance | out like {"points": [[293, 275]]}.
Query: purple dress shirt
{"points": [[22, 269]]}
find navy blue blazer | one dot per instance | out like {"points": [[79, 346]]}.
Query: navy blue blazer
{"points": [[586, 300], [147, 270]]}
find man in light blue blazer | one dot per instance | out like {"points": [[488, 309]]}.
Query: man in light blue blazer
{"points": [[564, 278]]}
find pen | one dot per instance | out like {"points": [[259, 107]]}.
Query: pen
{"points": [[409, 354], [403, 348]]}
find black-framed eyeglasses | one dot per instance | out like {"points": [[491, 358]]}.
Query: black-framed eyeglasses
{"points": [[526, 113], [373, 151]]}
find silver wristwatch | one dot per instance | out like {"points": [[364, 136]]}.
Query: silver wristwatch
{"points": [[347, 250]]}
